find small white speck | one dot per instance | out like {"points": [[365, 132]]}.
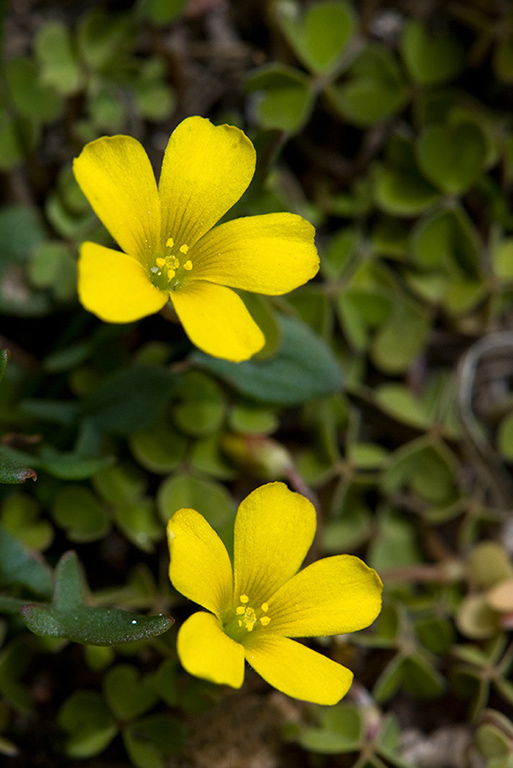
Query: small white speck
{"points": [[134, 621]]}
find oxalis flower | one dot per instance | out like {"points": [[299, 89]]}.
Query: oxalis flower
{"points": [[256, 607], [171, 250]]}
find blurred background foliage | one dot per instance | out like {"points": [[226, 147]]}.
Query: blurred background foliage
{"points": [[384, 391]]}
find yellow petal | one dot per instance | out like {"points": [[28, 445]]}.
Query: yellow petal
{"points": [[331, 596], [205, 171], [200, 567], [116, 176], [274, 530], [205, 651], [114, 286], [298, 671], [216, 321], [270, 254]]}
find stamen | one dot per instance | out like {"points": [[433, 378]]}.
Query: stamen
{"points": [[174, 262], [265, 607], [244, 599], [184, 248], [170, 242], [188, 265], [264, 621], [160, 261], [171, 273]]}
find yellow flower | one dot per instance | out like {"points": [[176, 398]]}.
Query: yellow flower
{"points": [[256, 607], [170, 247]]}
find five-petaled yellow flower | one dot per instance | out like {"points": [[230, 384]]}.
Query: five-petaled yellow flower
{"points": [[171, 249], [256, 607]]}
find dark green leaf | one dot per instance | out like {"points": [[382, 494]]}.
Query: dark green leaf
{"points": [[431, 59], [129, 400], [68, 616], [19, 567], [13, 472], [304, 368]]}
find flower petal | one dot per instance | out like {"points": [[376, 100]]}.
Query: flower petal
{"points": [[270, 254], [329, 597], [216, 321], [115, 286], [274, 530], [116, 176], [200, 567], [205, 651], [206, 169], [298, 671]]}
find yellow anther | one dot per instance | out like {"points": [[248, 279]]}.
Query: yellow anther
{"points": [[265, 607], [160, 261], [170, 242], [188, 265], [244, 599], [240, 610], [171, 273], [184, 248], [264, 621]]}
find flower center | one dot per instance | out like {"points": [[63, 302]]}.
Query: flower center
{"points": [[170, 272], [246, 619]]}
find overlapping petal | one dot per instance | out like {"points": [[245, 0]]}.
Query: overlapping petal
{"points": [[270, 254], [298, 671], [206, 651], [329, 597], [115, 286], [216, 321], [206, 169], [116, 176], [199, 567], [274, 530]]}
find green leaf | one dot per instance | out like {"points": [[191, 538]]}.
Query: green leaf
{"points": [[402, 194], [77, 510], [421, 678], [502, 259], [200, 408], [209, 498], [32, 99], [375, 89], [396, 542], [90, 725], [129, 400], [303, 368], [390, 679], [502, 61], [161, 12], [19, 567], [53, 266], [402, 337], [21, 518], [103, 36], [160, 448], [127, 694], [283, 97], [58, 61], [321, 36], [12, 471], [152, 739], [452, 156], [69, 616], [447, 242], [431, 59], [138, 521]]}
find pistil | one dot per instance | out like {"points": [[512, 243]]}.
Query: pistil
{"points": [[170, 271]]}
